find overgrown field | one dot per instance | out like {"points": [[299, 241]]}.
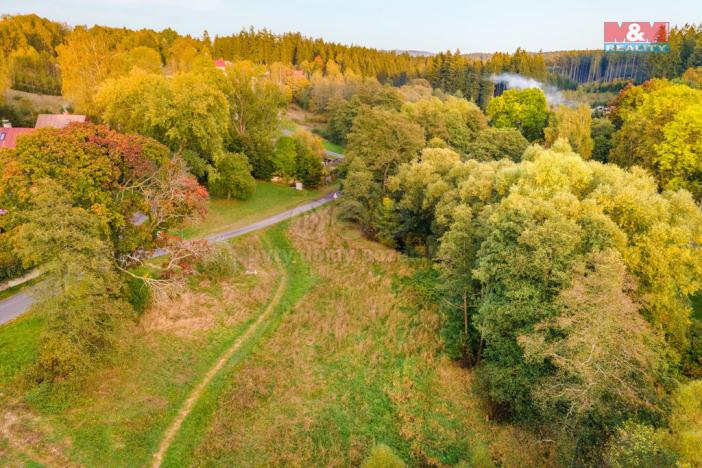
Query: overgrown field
{"points": [[355, 363], [348, 358]]}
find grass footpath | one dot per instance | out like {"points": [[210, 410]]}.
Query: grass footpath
{"points": [[299, 281]]}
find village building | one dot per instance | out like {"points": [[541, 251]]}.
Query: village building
{"points": [[58, 120], [9, 135]]}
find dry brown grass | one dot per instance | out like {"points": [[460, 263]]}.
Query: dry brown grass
{"points": [[54, 104], [23, 439], [225, 303]]}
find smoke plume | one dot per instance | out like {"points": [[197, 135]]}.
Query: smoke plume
{"points": [[514, 81]]}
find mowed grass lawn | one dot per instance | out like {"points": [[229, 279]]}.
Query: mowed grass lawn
{"points": [[329, 146], [267, 200]]}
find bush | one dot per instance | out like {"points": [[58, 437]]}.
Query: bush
{"points": [[493, 144], [437, 142], [383, 456], [138, 294], [480, 456], [686, 423], [80, 330], [219, 263], [637, 446]]}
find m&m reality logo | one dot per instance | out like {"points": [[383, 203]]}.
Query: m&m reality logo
{"points": [[636, 36]]}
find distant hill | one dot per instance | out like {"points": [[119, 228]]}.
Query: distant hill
{"points": [[479, 55], [415, 53]]}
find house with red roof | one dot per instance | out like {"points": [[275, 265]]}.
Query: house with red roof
{"points": [[9, 136], [58, 120], [221, 64]]}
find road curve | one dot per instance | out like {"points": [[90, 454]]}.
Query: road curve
{"points": [[19, 303]]}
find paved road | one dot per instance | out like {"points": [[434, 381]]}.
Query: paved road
{"points": [[16, 305]]}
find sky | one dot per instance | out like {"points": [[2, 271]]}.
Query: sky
{"points": [[468, 25]]}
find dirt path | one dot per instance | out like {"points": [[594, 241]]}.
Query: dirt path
{"points": [[200, 388], [15, 431]]}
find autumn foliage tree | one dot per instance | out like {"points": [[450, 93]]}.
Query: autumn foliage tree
{"points": [[660, 130], [85, 203], [129, 182], [253, 105], [573, 124]]}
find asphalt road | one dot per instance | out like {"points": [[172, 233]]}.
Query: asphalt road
{"points": [[19, 303], [15, 306]]}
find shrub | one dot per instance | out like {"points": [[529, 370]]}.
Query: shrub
{"points": [[232, 177], [382, 456], [138, 294], [637, 445], [686, 423], [219, 263]]}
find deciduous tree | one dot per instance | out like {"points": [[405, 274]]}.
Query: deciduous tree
{"points": [[522, 109]]}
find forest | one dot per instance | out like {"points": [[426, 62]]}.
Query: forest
{"points": [[547, 253]]}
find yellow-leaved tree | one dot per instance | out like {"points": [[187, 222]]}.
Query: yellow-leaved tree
{"points": [[573, 124]]}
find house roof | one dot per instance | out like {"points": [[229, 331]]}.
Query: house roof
{"points": [[58, 120], [8, 136]]}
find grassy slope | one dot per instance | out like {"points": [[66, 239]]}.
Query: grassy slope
{"points": [[117, 416], [268, 199], [54, 104], [355, 363]]}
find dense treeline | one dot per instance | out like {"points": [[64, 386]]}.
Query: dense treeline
{"points": [[599, 66], [312, 55], [32, 44], [566, 283], [685, 53], [28, 46], [455, 74]]}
